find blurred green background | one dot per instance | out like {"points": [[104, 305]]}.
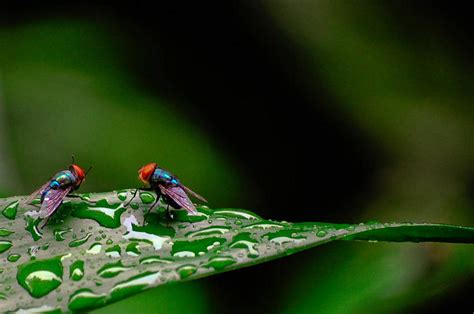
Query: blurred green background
{"points": [[338, 111]]}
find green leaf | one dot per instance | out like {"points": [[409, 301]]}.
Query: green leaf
{"points": [[95, 251]]}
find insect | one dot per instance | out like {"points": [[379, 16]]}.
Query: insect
{"points": [[54, 191], [165, 184]]}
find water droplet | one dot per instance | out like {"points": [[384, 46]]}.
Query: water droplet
{"points": [[32, 227], [208, 231], [147, 198], [122, 195], [80, 241], [105, 214], [264, 226], [5, 232], [134, 205], [321, 233], [76, 270], [84, 299], [220, 262], [134, 285], [245, 241], [227, 213], [133, 249], [5, 245], [13, 257], [94, 249], [111, 270], [10, 210], [186, 270], [40, 277], [113, 251], [109, 242], [154, 259], [150, 233], [196, 246]]}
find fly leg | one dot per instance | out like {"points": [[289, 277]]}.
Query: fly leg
{"points": [[158, 195], [135, 194], [82, 198]]}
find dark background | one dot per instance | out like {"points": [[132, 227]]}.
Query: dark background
{"points": [[288, 122]]}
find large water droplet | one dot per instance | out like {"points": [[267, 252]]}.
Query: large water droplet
{"points": [[40, 277], [111, 270], [134, 285], [5, 232], [186, 270], [105, 214], [13, 257], [149, 233], [60, 233], [10, 210], [113, 251], [32, 227], [147, 198], [133, 249], [5, 245], [321, 233], [220, 262], [84, 299], [122, 195], [208, 231], [76, 270], [81, 241]]}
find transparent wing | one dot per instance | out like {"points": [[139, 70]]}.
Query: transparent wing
{"points": [[189, 191], [52, 200], [35, 193], [177, 194]]}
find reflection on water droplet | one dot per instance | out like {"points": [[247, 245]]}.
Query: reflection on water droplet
{"points": [[5, 232], [40, 277], [10, 210], [13, 257], [76, 270], [5, 245], [186, 270], [80, 241]]}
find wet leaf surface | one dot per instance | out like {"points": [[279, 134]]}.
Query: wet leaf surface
{"points": [[96, 251]]}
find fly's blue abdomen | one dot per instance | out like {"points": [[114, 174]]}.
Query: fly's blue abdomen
{"points": [[62, 179], [161, 176]]}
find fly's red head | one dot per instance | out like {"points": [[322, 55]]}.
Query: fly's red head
{"points": [[79, 172], [145, 172]]}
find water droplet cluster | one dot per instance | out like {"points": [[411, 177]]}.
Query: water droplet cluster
{"points": [[95, 250]]}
